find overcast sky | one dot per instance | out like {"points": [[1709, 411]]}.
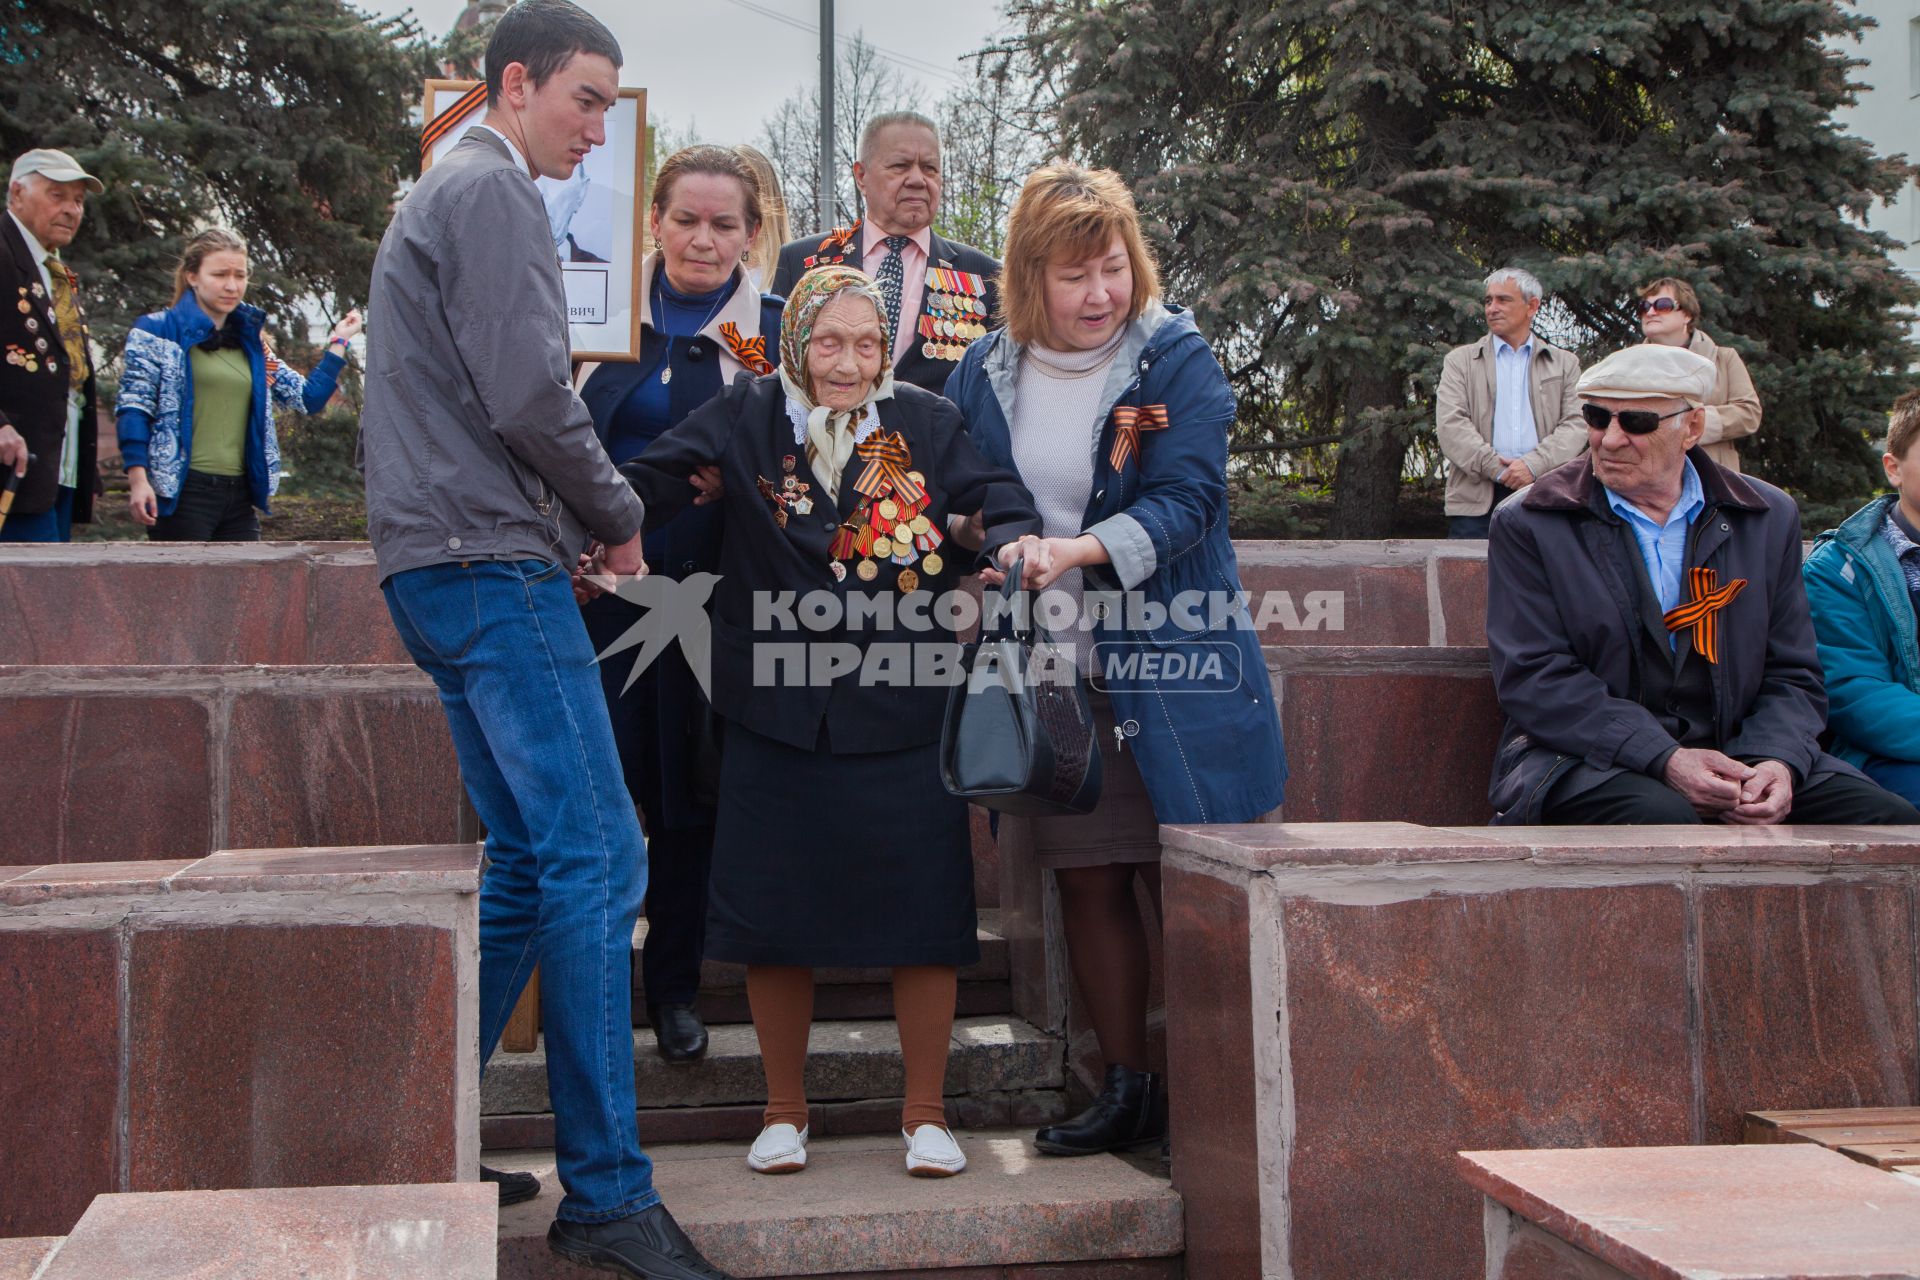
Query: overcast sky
{"points": [[720, 67]]}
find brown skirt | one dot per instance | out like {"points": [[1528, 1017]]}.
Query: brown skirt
{"points": [[1121, 828]]}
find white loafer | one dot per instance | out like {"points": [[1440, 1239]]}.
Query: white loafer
{"points": [[780, 1148], [932, 1152]]}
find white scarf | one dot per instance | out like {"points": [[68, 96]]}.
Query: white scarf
{"points": [[830, 437]]}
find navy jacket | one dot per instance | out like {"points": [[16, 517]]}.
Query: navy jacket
{"points": [[1210, 750], [34, 384]]}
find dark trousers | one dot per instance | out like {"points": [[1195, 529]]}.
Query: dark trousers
{"points": [[210, 509], [1638, 800], [1477, 526], [55, 524], [681, 862]]}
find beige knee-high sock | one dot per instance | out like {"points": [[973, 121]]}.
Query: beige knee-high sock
{"points": [[781, 999], [923, 1002]]}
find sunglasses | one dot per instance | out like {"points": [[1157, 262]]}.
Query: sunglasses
{"points": [[1635, 422], [1649, 306]]}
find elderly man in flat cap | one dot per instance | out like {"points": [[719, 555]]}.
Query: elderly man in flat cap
{"points": [[1649, 632], [46, 370]]}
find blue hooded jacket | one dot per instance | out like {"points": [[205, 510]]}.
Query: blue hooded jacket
{"points": [[1863, 619], [154, 410], [1207, 738]]}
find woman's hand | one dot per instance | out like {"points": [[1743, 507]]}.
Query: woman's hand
{"points": [[142, 503], [348, 328], [707, 480], [1034, 553]]}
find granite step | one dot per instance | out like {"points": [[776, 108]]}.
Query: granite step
{"points": [[1013, 1215], [847, 1062], [845, 993]]}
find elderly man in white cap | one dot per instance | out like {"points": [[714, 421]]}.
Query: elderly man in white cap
{"points": [[1649, 633], [47, 433]]}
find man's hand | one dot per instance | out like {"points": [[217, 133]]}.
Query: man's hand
{"points": [[625, 560], [1765, 798], [1712, 783], [709, 484], [13, 451], [1517, 475], [969, 531], [142, 503]]}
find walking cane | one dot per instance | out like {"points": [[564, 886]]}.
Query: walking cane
{"points": [[12, 487]]}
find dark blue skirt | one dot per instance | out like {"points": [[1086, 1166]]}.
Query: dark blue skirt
{"points": [[819, 859]]}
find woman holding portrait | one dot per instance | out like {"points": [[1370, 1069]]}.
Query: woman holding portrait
{"points": [[1112, 409], [702, 323], [836, 843]]}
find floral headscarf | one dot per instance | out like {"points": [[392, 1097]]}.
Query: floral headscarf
{"points": [[829, 437]]}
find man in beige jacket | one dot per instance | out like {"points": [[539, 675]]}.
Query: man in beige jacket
{"points": [[1506, 411], [1670, 315]]}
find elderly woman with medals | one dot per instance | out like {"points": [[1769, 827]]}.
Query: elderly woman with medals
{"points": [[833, 648]]}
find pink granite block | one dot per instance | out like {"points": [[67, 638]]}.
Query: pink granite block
{"points": [[103, 779], [1707, 846], [1374, 743], [20, 1259], [1263, 845], [1783, 1212], [349, 766], [1867, 846], [60, 1046], [1531, 1017], [1312, 599], [444, 1231], [1463, 598], [291, 1056], [1807, 999], [347, 620], [1214, 1083], [388, 868], [72, 880], [153, 607]]}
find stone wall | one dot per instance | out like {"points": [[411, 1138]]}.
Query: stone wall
{"points": [[1349, 1005]]}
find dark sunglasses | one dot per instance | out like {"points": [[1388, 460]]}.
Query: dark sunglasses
{"points": [[1650, 305], [1635, 422]]}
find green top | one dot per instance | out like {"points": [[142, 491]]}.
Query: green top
{"points": [[222, 397]]}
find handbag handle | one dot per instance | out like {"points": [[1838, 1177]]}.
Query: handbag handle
{"points": [[1010, 593]]}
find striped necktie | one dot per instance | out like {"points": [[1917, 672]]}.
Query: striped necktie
{"points": [[66, 314]]}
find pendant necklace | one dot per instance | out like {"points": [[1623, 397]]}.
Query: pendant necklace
{"points": [[659, 325]]}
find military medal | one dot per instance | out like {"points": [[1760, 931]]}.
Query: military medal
{"points": [[934, 564], [889, 509], [26, 308], [883, 547], [866, 571], [908, 580], [838, 570]]}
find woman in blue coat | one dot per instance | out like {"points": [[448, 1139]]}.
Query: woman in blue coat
{"points": [[197, 394], [1115, 413], [702, 322]]}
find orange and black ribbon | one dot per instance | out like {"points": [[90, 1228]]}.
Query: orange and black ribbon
{"points": [[886, 469], [1699, 612], [751, 352], [836, 246], [444, 123], [1128, 423]]}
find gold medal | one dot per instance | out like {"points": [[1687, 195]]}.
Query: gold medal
{"points": [[921, 524], [933, 563], [866, 571], [917, 478], [926, 351], [889, 509], [903, 533], [882, 546], [908, 580], [26, 308]]}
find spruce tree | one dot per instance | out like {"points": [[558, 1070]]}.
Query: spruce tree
{"points": [[1329, 185]]}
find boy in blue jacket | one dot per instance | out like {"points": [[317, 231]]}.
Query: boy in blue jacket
{"points": [[1863, 583]]}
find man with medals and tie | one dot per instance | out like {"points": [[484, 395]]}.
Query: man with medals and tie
{"points": [[940, 294], [1652, 646], [47, 434]]}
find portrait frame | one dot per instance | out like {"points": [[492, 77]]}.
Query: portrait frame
{"points": [[598, 217]]}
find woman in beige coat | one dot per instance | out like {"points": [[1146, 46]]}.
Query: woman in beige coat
{"points": [[1670, 315]]}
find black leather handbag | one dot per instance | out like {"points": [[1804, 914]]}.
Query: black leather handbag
{"points": [[1019, 733]]}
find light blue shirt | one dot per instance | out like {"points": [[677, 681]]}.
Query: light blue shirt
{"points": [[1514, 434], [1664, 546]]}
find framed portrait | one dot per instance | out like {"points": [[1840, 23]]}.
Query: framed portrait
{"points": [[595, 217]]}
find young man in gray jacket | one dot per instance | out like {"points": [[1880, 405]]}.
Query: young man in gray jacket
{"points": [[484, 482]]}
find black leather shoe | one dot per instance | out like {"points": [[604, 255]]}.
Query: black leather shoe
{"points": [[647, 1246], [678, 1032], [514, 1187], [1130, 1113]]}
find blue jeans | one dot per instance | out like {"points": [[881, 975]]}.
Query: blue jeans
{"points": [[567, 865], [1902, 777], [55, 524]]}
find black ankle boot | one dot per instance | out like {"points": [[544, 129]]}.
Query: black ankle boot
{"points": [[679, 1035], [1130, 1112]]}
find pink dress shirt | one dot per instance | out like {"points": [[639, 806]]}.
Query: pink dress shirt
{"points": [[913, 279]]}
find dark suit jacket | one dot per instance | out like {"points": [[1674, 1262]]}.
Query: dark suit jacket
{"points": [[1564, 619], [34, 402], [745, 429], [913, 364]]}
